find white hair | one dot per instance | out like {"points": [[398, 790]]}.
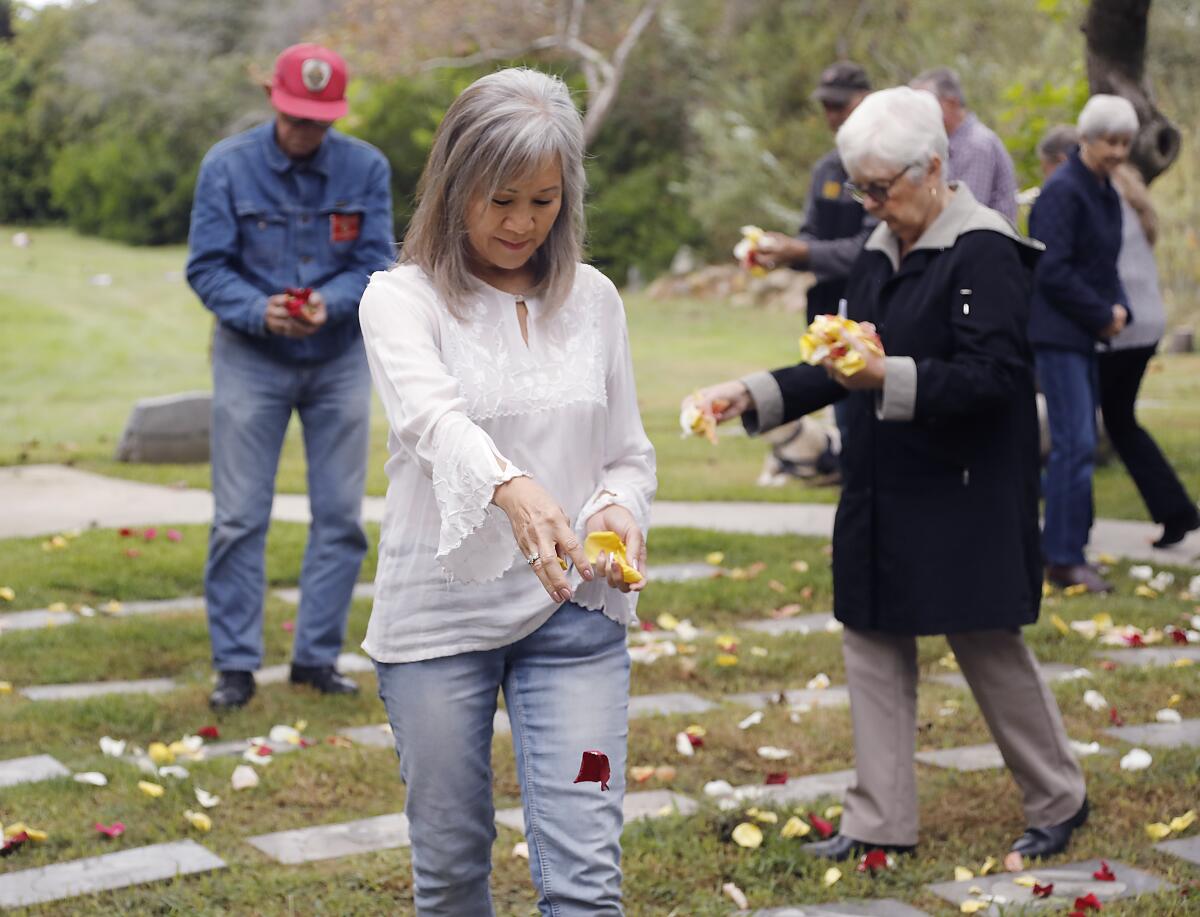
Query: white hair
{"points": [[503, 126], [1107, 116], [899, 127]]}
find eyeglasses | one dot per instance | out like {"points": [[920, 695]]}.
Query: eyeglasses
{"points": [[878, 191]]}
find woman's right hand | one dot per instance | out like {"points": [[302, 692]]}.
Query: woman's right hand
{"points": [[543, 529], [725, 400], [1120, 318]]}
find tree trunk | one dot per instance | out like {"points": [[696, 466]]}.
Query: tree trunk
{"points": [[1116, 64]]}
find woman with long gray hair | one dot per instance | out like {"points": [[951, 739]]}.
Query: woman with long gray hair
{"points": [[503, 365]]}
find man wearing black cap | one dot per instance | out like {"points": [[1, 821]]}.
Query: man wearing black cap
{"points": [[289, 221], [835, 225]]}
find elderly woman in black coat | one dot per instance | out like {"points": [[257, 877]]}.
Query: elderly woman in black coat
{"points": [[937, 528]]}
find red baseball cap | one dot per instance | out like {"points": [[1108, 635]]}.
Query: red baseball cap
{"points": [[309, 82]]}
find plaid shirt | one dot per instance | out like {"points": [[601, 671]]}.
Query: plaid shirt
{"points": [[978, 157]]}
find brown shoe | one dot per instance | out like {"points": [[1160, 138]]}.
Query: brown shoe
{"points": [[1064, 575]]}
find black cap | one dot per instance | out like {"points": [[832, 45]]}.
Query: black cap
{"points": [[841, 82]]}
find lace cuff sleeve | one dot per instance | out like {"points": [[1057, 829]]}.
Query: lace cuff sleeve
{"points": [[475, 543]]}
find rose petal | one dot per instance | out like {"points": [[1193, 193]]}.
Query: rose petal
{"points": [[641, 774], [153, 790], [736, 895], [795, 827], [748, 835], [683, 745], [521, 850], [207, 799], [594, 768], [244, 777], [1104, 874], [1183, 822], [1157, 831], [1043, 891], [752, 720], [773, 753], [600, 542], [820, 825], [199, 820], [116, 829], [1094, 699], [832, 876], [95, 778], [776, 778], [962, 874], [1136, 760], [714, 558], [1167, 715], [209, 732]]}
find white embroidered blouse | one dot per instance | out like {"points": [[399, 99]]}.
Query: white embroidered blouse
{"points": [[470, 405]]}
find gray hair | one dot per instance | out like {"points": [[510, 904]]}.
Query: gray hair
{"points": [[1058, 142], [1106, 116], [503, 126], [899, 126], [945, 83]]}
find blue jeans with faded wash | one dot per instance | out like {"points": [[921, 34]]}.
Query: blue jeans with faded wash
{"points": [[254, 396], [566, 690], [1070, 381]]}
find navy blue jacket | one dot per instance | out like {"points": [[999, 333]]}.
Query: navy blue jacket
{"points": [[261, 223], [1078, 217]]}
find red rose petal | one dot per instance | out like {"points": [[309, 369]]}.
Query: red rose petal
{"points": [[697, 741], [174, 535], [264, 751], [1108, 665], [1115, 718], [1134, 640], [594, 768], [289, 626], [150, 534], [1043, 891], [1104, 874], [132, 552], [116, 829], [776, 777], [647, 626], [1088, 902], [208, 732], [125, 533], [823, 828], [1179, 636], [873, 860]]}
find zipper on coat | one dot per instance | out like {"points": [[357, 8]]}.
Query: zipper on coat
{"points": [[966, 477]]}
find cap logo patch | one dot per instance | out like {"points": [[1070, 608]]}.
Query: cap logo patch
{"points": [[316, 74]]}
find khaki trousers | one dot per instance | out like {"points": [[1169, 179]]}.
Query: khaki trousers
{"points": [[881, 673]]}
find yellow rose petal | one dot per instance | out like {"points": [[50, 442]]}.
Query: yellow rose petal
{"points": [[747, 835], [971, 906], [1103, 620], [833, 811], [36, 835], [667, 621], [1047, 590], [1145, 592], [1026, 881], [727, 659], [767, 818], [199, 820], [1174, 700], [696, 731], [160, 754], [1062, 625], [1182, 663], [795, 827], [7, 593], [5, 687], [988, 865], [1182, 822], [150, 789], [14, 829], [962, 874], [832, 876], [1158, 830], [1077, 589], [715, 558]]}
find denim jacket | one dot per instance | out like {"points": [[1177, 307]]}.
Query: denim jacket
{"points": [[261, 223]]}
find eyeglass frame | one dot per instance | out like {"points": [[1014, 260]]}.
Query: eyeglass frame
{"points": [[871, 191]]}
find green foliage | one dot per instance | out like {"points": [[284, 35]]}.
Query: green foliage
{"points": [[1030, 109]]}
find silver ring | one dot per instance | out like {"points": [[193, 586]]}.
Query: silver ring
{"points": [[533, 558]]}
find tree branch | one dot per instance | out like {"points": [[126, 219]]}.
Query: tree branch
{"points": [[602, 101], [484, 55]]}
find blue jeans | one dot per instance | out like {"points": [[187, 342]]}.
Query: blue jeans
{"points": [[566, 690], [1069, 380], [253, 399]]}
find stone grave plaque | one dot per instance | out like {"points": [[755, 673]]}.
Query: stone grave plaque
{"points": [[327, 842], [85, 690], [1070, 881], [1163, 735], [1153, 655], [833, 696], [648, 804], [378, 736], [801, 624], [798, 789], [168, 429], [662, 704], [884, 907], [32, 769], [1187, 848]]}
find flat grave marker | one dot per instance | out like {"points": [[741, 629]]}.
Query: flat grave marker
{"points": [[327, 842]]}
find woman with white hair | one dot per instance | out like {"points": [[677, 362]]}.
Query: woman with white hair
{"points": [[503, 365], [936, 531], [1078, 301]]}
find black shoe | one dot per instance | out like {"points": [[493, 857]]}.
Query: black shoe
{"points": [[233, 690], [839, 847], [1044, 842], [325, 678], [1177, 528], [1065, 576]]}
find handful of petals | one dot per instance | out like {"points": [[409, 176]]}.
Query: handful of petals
{"points": [[831, 337]]}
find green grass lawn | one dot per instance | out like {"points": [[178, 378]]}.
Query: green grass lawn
{"points": [[672, 866], [75, 356]]}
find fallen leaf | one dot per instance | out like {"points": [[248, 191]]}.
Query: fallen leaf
{"points": [[748, 835]]}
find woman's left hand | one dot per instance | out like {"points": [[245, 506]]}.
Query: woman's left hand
{"points": [[870, 377], [618, 519]]}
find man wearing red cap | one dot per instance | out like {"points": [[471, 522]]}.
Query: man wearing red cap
{"points": [[289, 221]]}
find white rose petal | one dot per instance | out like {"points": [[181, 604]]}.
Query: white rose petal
{"points": [[1162, 581], [834, 626], [1137, 760], [1141, 572], [1167, 715], [244, 778], [207, 799], [683, 745], [687, 631], [1083, 749], [773, 753], [752, 720], [114, 748], [521, 850], [173, 770], [736, 895], [718, 788], [818, 682], [1095, 700], [95, 778], [288, 734]]}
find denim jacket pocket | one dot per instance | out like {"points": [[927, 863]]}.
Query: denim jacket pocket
{"points": [[264, 236]]}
